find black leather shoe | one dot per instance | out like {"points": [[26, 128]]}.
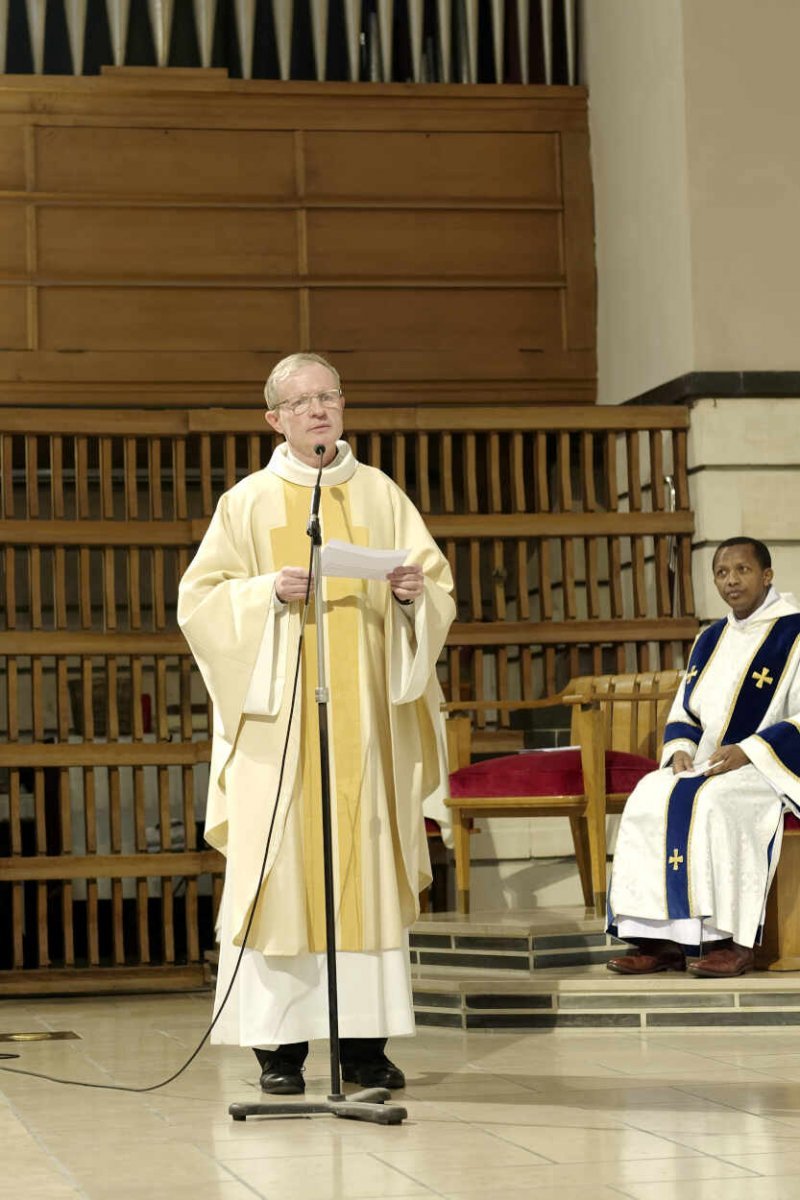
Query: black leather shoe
{"points": [[374, 1073], [282, 1077]]}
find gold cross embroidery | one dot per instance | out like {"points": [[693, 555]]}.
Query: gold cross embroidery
{"points": [[676, 859], [692, 674], [761, 677]]}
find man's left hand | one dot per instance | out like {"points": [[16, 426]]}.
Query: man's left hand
{"points": [[407, 583], [727, 758]]}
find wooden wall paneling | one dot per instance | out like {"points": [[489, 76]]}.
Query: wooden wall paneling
{"points": [[82, 241], [435, 319], [174, 202], [165, 318], [236, 164], [13, 240], [579, 266], [449, 167], [435, 244], [13, 175]]}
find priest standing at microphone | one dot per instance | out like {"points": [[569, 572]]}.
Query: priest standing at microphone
{"points": [[240, 607]]}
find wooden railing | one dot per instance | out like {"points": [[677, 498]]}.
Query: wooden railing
{"points": [[566, 558]]}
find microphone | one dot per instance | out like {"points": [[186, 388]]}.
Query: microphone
{"points": [[313, 530]]}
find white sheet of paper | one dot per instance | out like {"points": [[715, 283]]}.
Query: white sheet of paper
{"points": [[347, 561], [696, 769]]}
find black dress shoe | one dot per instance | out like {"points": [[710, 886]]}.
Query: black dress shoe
{"points": [[374, 1073], [282, 1077]]}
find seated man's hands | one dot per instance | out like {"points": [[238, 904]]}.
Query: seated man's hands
{"points": [[727, 758], [681, 761], [408, 582], [291, 584]]}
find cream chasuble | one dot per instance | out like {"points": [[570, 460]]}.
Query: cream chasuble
{"points": [[695, 856], [387, 750]]}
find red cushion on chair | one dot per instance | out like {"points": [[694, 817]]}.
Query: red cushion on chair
{"points": [[550, 773], [790, 821], [432, 827]]}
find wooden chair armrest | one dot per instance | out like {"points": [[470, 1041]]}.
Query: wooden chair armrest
{"points": [[616, 698], [500, 705]]}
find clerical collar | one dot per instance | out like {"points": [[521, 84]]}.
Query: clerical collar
{"points": [[770, 598], [289, 467]]}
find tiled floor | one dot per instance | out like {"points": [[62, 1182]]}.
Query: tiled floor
{"points": [[553, 1114]]}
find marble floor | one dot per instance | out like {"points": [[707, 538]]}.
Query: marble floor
{"points": [[565, 1114]]}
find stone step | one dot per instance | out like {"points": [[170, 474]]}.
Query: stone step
{"points": [[592, 998], [545, 969]]}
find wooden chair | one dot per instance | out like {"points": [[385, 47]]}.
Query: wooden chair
{"points": [[625, 714], [780, 946]]}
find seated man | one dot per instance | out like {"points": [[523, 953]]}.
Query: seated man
{"points": [[699, 839]]}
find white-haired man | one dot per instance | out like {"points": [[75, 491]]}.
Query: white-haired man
{"points": [[240, 606]]}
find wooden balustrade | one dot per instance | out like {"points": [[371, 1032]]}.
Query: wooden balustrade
{"points": [[566, 561]]}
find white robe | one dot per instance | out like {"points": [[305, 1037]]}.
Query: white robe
{"points": [[695, 857], [385, 725]]}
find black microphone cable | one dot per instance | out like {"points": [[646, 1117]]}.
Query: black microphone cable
{"points": [[154, 1087]]}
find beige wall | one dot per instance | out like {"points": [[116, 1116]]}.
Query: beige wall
{"points": [[633, 64], [694, 110], [743, 130], [743, 454]]}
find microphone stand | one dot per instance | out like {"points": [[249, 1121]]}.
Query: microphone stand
{"points": [[369, 1104]]}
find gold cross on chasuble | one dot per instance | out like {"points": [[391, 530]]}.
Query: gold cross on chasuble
{"points": [[694, 671], [676, 859], [761, 677], [290, 547]]}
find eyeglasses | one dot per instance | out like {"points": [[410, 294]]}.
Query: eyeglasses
{"points": [[300, 404]]}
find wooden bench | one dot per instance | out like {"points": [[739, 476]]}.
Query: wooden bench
{"points": [[610, 713]]}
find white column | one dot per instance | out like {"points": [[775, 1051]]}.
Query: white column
{"points": [[547, 38], [445, 14], [245, 11], [319, 32], [205, 15], [75, 13], [569, 26], [161, 13], [283, 14], [118, 12], [471, 13], [523, 35], [35, 10], [352, 17], [415, 27], [498, 30], [385, 15]]}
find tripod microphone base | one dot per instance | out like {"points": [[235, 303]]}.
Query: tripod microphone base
{"points": [[368, 1105]]}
